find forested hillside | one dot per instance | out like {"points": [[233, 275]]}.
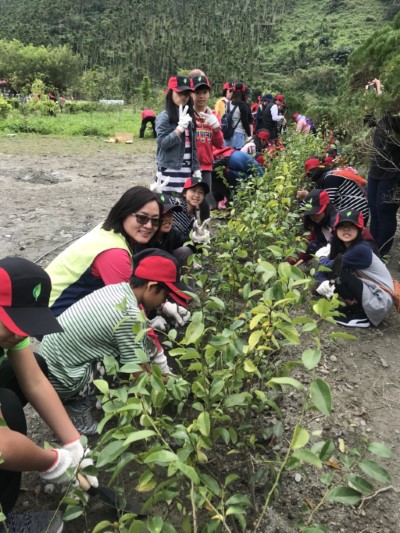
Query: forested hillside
{"points": [[304, 42]]}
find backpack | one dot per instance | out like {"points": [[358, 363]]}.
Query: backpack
{"points": [[226, 122]]}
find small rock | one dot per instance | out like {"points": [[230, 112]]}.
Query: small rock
{"points": [[25, 504], [333, 358], [49, 489], [384, 363], [297, 478]]}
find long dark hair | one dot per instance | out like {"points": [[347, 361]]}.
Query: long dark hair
{"points": [[237, 97], [130, 202], [173, 110]]}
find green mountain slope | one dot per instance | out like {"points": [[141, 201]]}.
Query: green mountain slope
{"points": [[253, 40]]}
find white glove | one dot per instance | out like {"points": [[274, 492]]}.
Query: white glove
{"points": [[161, 361], [81, 459], [176, 312], [159, 323], [210, 119], [184, 118], [324, 251], [197, 174], [326, 289], [158, 186], [200, 234], [57, 473]]}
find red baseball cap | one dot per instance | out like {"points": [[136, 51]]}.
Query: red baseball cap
{"points": [[281, 98], [315, 202], [311, 163], [179, 84], [192, 182], [153, 264], [227, 85], [263, 134], [24, 298], [294, 116]]}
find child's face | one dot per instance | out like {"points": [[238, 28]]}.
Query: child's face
{"points": [[317, 218], [195, 196], [346, 232], [8, 339], [201, 97], [153, 297], [181, 98], [166, 222]]}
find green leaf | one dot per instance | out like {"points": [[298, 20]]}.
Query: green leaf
{"points": [[305, 456], [102, 526], [188, 471], [139, 435], [300, 437], [131, 368], [203, 423], [249, 366], [374, 470], [72, 512], [193, 332], [102, 385], [321, 396], [345, 495], [360, 484], [380, 449], [291, 382], [311, 358], [327, 450], [339, 335], [110, 452], [162, 456], [254, 338], [235, 400]]}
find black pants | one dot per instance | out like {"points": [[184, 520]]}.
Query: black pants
{"points": [[145, 121], [12, 401], [350, 288]]}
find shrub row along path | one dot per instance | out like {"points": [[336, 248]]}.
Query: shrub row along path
{"points": [[53, 190]]}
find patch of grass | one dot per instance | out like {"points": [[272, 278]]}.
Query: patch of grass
{"points": [[96, 124]]}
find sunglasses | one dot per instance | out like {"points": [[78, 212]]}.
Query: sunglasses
{"points": [[143, 219]]}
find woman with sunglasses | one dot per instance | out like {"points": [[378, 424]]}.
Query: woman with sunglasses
{"points": [[104, 255]]}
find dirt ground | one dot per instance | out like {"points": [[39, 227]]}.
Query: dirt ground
{"points": [[55, 190]]}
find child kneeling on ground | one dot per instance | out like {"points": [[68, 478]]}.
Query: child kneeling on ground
{"points": [[365, 283], [102, 324], [24, 298]]}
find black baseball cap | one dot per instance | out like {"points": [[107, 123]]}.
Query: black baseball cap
{"points": [[24, 298], [167, 205], [355, 217], [315, 202], [201, 81]]}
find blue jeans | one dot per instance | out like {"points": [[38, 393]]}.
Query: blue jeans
{"points": [[237, 141], [383, 211]]}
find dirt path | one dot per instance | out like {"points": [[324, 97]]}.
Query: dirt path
{"points": [[54, 190]]}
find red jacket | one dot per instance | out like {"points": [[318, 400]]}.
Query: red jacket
{"points": [[148, 113], [206, 139]]}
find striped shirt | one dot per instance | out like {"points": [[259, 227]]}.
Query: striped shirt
{"points": [[345, 194], [101, 324], [178, 176]]}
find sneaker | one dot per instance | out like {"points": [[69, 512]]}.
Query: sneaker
{"points": [[81, 416], [354, 320], [40, 522]]}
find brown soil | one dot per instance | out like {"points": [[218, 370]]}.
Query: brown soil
{"points": [[54, 190]]}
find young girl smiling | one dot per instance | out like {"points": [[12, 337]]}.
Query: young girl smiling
{"points": [[365, 283]]}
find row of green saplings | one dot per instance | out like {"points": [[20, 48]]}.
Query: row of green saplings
{"points": [[199, 450]]}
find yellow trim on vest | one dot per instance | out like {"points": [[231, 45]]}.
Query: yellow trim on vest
{"points": [[70, 264]]}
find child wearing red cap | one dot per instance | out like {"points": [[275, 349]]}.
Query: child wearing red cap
{"points": [[102, 324], [176, 137], [364, 284], [24, 297]]}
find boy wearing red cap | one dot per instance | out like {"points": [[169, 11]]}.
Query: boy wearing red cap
{"points": [[102, 324], [24, 296]]}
